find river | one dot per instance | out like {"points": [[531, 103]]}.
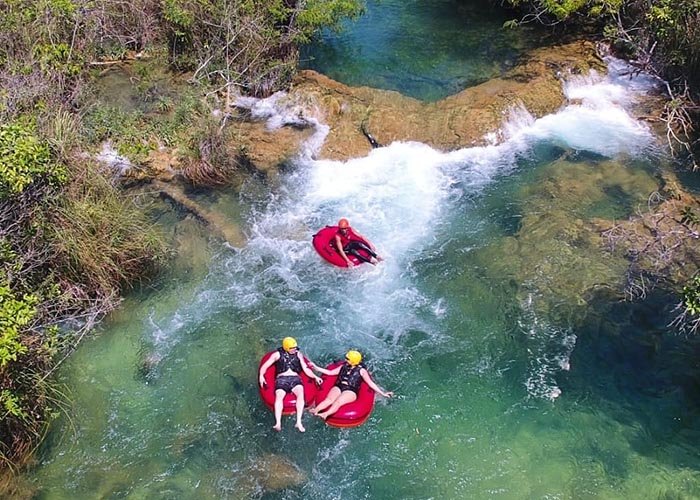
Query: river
{"points": [[510, 381]]}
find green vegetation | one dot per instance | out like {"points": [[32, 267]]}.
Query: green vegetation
{"points": [[663, 36], [250, 45], [65, 253], [676, 27], [691, 296], [24, 159], [659, 37], [688, 319], [15, 313], [70, 240]]}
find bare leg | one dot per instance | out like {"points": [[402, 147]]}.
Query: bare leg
{"points": [[279, 403], [344, 398], [332, 396], [298, 390]]}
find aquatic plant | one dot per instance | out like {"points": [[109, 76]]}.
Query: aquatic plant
{"points": [[691, 296], [688, 309]]}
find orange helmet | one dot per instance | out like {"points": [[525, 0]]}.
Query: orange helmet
{"points": [[343, 223]]}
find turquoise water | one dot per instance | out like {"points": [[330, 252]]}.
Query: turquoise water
{"points": [[518, 371], [427, 50]]}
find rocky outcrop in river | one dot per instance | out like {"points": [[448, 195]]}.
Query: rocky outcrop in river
{"points": [[457, 121]]}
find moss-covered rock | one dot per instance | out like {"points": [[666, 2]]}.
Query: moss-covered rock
{"points": [[559, 253]]}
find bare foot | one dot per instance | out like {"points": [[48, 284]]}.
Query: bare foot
{"points": [[300, 427], [277, 427], [313, 411], [324, 417]]}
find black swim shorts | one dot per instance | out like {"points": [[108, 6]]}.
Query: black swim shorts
{"points": [[347, 387], [287, 382]]}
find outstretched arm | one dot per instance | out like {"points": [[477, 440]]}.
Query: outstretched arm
{"points": [[308, 370], [334, 371], [339, 246], [366, 377], [314, 366], [267, 364]]}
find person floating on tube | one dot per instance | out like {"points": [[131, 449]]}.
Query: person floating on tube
{"points": [[289, 363], [350, 376], [350, 242]]}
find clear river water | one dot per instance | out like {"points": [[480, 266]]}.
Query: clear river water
{"points": [[518, 371]]}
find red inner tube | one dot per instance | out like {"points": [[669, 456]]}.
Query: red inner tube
{"points": [[351, 414], [324, 244], [267, 393]]}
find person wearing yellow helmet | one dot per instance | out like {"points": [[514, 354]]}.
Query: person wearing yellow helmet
{"points": [[350, 242], [350, 375], [289, 363]]}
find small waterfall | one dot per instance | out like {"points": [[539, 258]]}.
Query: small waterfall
{"points": [[597, 118]]}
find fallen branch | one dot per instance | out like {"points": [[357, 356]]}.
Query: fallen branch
{"points": [[217, 222]]}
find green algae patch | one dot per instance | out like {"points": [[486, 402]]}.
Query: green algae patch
{"points": [[558, 253]]}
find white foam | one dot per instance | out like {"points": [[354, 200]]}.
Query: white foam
{"points": [[596, 119], [279, 110], [109, 156], [400, 197], [549, 352]]}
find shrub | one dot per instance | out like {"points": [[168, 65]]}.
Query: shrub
{"points": [[15, 313], [25, 159]]}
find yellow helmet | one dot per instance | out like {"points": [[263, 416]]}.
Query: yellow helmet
{"points": [[289, 343], [353, 357]]}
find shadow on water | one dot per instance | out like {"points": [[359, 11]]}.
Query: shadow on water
{"points": [[690, 180], [649, 375]]}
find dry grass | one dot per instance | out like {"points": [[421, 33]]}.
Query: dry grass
{"points": [[213, 164], [100, 239]]}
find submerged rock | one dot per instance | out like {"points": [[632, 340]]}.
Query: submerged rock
{"points": [[660, 241], [266, 473], [147, 368], [558, 253], [275, 472]]}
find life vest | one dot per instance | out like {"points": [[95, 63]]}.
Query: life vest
{"points": [[349, 377], [287, 361], [345, 239]]}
